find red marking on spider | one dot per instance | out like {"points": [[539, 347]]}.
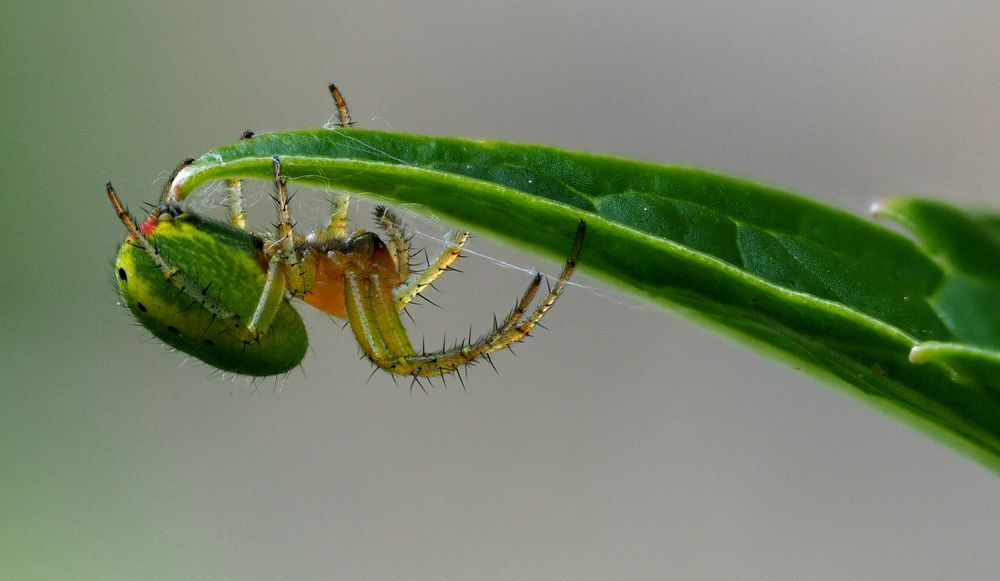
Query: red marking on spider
{"points": [[149, 225]]}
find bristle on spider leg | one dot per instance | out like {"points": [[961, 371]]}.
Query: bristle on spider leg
{"points": [[489, 360], [416, 381]]}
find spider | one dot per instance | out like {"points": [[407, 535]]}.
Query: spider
{"points": [[221, 292]]}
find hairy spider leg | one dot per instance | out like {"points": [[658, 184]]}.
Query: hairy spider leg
{"points": [[379, 330], [396, 238], [398, 241], [419, 281], [234, 196], [285, 268], [234, 203], [343, 113], [165, 194], [336, 228]]}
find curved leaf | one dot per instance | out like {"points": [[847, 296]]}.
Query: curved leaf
{"points": [[842, 295]]}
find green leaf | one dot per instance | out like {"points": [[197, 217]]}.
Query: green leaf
{"points": [[912, 326]]}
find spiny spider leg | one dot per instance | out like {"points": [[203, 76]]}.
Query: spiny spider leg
{"points": [[397, 239], [399, 245], [343, 113], [419, 281], [285, 270], [514, 328], [521, 307], [165, 195], [285, 245], [336, 228], [380, 332], [234, 203], [234, 196]]}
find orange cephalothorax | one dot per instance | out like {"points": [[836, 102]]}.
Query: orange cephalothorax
{"points": [[363, 253]]}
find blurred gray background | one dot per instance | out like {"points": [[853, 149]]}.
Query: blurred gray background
{"points": [[624, 442]]}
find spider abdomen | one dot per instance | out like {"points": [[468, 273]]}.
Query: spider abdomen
{"points": [[222, 265]]}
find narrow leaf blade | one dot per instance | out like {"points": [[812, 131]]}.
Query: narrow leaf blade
{"points": [[841, 295]]}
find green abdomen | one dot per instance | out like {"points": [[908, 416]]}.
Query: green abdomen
{"points": [[225, 261]]}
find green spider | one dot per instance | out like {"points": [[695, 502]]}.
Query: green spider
{"points": [[221, 292]]}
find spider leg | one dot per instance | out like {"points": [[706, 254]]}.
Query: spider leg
{"points": [[397, 239], [372, 312], [399, 245], [234, 203], [285, 270], [336, 228], [343, 113], [284, 246], [165, 195], [421, 280], [234, 196], [270, 298], [374, 319]]}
